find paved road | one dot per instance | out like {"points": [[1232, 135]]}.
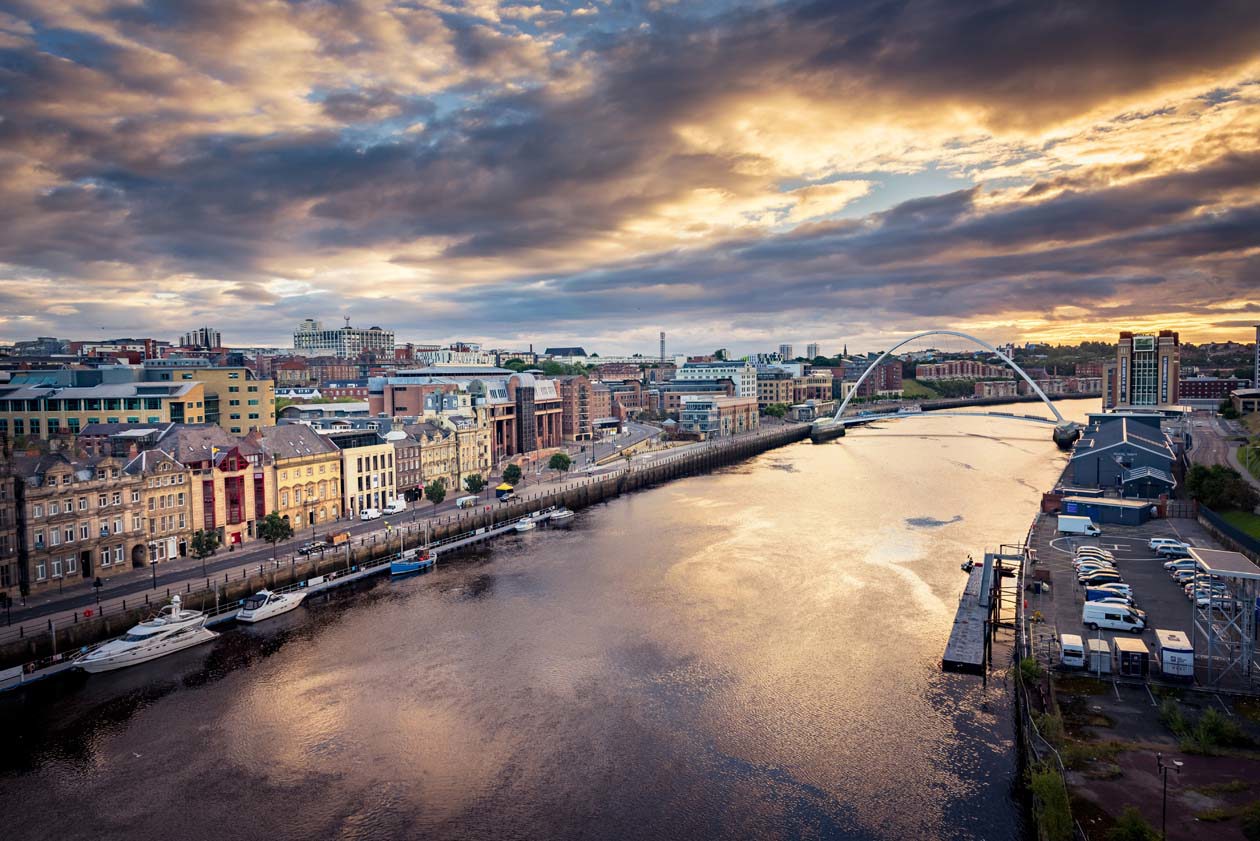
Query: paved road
{"points": [[178, 574]]}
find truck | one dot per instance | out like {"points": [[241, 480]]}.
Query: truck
{"points": [[1078, 525], [1175, 655], [336, 538], [467, 501]]}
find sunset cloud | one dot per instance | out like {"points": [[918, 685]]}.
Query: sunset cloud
{"points": [[515, 171]]}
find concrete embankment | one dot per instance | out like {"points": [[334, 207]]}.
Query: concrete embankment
{"points": [[206, 594]]}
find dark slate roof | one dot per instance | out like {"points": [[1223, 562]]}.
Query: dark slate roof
{"points": [[293, 440], [1120, 431], [564, 351], [190, 442]]}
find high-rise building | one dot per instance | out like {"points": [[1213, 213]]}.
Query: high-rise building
{"points": [[811, 351], [663, 345], [348, 342], [1255, 379], [1146, 372], [203, 338], [786, 352]]}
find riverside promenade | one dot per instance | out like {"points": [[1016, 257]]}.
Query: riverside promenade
{"points": [[57, 625]]}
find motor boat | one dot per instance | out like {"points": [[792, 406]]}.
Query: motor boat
{"points": [[265, 604], [526, 525], [561, 517], [172, 629], [411, 561]]}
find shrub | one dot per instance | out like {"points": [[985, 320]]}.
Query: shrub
{"points": [[1050, 803], [1050, 726], [1170, 716], [1030, 670], [1131, 826], [1251, 822]]}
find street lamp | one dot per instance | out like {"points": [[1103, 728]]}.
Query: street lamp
{"points": [[153, 563], [97, 585], [7, 602], [1162, 769]]}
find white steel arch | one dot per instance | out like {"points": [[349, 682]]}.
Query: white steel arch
{"points": [[1058, 416]]}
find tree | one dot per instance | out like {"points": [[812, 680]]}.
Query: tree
{"points": [[517, 365], [435, 492], [720, 353], [512, 474], [777, 410], [203, 545], [474, 483], [1228, 411], [1221, 488], [561, 462], [273, 528], [1131, 826]]}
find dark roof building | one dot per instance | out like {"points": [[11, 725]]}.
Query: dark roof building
{"points": [[1126, 452]]}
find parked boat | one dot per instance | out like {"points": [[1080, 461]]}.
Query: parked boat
{"points": [[265, 604], [526, 525], [561, 517], [172, 629], [412, 561]]}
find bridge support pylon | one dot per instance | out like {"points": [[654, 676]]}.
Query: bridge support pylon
{"points": [[1065, 435]]}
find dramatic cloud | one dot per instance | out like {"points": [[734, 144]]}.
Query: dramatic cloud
{"points": [[733, 173]]}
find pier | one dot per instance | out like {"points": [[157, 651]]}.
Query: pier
{"points": [[970, 645]]}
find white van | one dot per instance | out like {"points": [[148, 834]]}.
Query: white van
{"points": [[467, 502], [1113, 617], [370, 514], [398, 506], [1077, 525], [1071, 651]]}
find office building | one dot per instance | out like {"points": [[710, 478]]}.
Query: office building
{"points": [[714, 416], [740, 372], [367, 469], [811, 351], [310, 338], [785, 351], [306, 470], [203, 338], [42, 409], [1146, 371], [961, 369]]}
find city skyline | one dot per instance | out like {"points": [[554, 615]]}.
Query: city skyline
{"points": [[737, 175]]}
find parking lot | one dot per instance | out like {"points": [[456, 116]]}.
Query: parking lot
{"points": [[1165, 602]]}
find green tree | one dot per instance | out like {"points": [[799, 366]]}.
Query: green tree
{"points": [[281, 402], [1228, 411], [1221, 488], [202, 546], [516, 364], [474, 483], [1131, 826], [273, 528], [435, 492], [512, 474], [560, 461], [777, 410]]}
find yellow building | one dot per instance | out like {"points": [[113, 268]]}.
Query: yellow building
{"points": [[165, 503], [367, 469], [235, 400], [38, 410], [305, 468]]}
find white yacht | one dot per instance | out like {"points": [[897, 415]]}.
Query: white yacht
{"points": [[172, 629], [526, 525], [561, 517], [265, 604]]}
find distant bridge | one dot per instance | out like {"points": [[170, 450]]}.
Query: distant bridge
{"points": [[1065, 432], [859, 420]]}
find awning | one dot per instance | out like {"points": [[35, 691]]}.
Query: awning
{"points": [[504, 487]]}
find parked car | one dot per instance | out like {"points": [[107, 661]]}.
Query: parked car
{"points": [[1117, 587], [1179, 551], [1184, 576], [1156, 542], [1101, 577], [1225, 604], [1088, 569], [1180, 564], [313, 546], [1094, 551], [1113, 617]]}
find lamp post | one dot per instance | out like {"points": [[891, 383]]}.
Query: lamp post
{"points": [[1162, 769], [153, 566], [97, 585], [6, 601]]}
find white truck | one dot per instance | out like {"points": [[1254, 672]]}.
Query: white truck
{"points": [[1078, 525]]}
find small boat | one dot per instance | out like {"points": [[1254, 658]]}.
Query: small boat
{"points": [[412, 561], [561, 518], [526, 525], [265, 604], [172, 629]]}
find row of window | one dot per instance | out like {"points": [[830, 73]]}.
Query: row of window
{"points": [[70, 564], [162, 481], [298, 495], [376, 480], [83, 530], [168, 522], [66, 506], [166, 501], [376, 462], [297, 471]]}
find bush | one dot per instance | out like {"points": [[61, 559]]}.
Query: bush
{"points": [[1050, 803], [1030, 670], [1215, 731], [1251, 822], [1170, 716], [1050, 726], [1131, 826], [1221, 488]]}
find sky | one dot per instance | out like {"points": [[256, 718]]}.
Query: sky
{"points": [[738, 174]]}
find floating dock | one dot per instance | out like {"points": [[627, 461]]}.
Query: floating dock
{"points": [[967, 646]]}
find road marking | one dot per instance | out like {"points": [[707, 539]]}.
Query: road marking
{"points": [[1147, 687], [1224, 706]]}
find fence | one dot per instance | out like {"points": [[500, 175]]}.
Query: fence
{"points": [[1229, 533]]}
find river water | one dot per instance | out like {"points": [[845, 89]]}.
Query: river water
{"points": [[748, 654]]}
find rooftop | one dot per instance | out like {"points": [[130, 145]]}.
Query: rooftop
{"points": [[1223, 562]]}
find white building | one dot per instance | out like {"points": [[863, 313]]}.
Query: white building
{"points": [[811, 351], [311, 339], [739, 371], [786, 352]]}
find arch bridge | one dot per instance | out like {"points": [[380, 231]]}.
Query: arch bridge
{"points": [[1065, 431]]}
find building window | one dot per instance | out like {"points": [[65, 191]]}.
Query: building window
{"points": [[118, 525], [72, 564], [135, 496], [37, 511], [118, 554], [102, 501], [56, 568], [117, 498], [41, 571], [54, 508], [105, 557], [67, 534], [85, 531]]}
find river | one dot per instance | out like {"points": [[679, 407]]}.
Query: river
{"points": [[748, 654]]}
